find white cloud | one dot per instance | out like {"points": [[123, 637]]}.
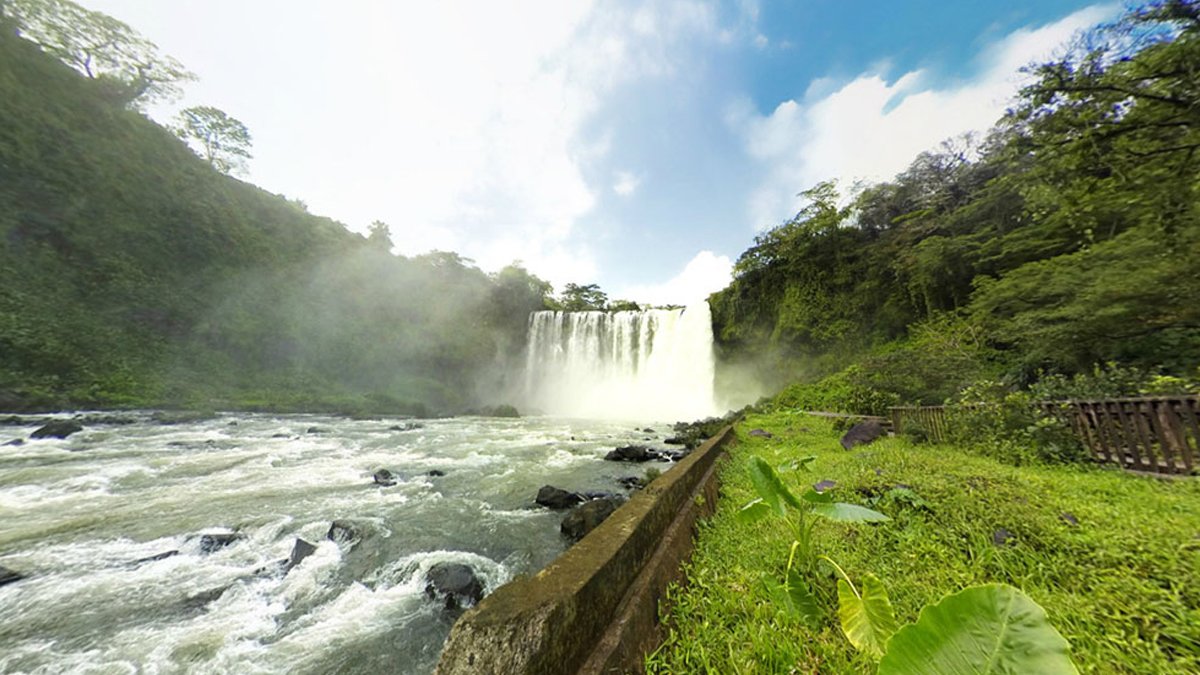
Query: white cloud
{"points": [[705, 274], [626, 183], [871, 128], [465, 125]]}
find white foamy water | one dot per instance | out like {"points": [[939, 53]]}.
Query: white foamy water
{"points": [[77, 514], [656, 364]]}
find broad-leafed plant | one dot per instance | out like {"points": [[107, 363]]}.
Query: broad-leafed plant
{"points": [[982, 630]]}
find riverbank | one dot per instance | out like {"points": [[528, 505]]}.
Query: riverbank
{"points": [[1113, 558]]}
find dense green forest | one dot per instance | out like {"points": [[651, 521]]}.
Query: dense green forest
{"points": [[1061, 246], [134, 272]]}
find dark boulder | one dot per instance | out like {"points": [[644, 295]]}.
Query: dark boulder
{"points": [[384, 477], [301, 550], [317, 430], [761, 433], [632, 453], [454, 584], [210, 543], [436, 473], [692, 434], [8, 576], [15, 442], [57, 429], [280, 435], [407, 426], [671, 455], [630, 482], [343, 532], [557, 498], [862, 433], [648, 430], [587, 516]]}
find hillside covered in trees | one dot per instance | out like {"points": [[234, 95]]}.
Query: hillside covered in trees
{"points": [[137, 273], [1065, 240]]}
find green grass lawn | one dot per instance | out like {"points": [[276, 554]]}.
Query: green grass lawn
{"points": [[1122, 585]]}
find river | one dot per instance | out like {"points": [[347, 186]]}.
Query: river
{"points": [[77, 514]]}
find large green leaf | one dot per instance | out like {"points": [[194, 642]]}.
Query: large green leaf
{"points": [[867, 620], [794, 597], [753, 511], [848, 513], [981, 630], [813, 497], [772, 490]]}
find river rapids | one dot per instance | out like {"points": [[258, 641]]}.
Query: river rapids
{"points": [[93, 520]]}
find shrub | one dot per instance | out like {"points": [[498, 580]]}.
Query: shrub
{"points": [[840, 392], [1112, 380], [1005, 425]]}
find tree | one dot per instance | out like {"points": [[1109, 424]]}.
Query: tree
{"points": [[223, 140], [100, 47], [380, 236], [576, 298]]}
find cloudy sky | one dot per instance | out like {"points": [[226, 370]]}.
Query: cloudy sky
{"points": [[638, 145]]}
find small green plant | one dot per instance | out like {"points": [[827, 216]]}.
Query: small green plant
{"points": [[992, 628], [795, 595]]}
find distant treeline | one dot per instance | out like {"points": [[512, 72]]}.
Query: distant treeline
{"points": [[1066, 237], [132, 272]]}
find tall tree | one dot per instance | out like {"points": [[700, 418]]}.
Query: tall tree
{"points": [[379, 236], [217, 137], [100, 47], [576, 298]]}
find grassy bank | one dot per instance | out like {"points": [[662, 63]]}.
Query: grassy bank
{"points": [[1122, 585]]}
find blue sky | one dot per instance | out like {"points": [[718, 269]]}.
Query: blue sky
{"points": [[638, 145]]}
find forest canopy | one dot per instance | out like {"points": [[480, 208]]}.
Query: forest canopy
{"points": [[1067, 236]]}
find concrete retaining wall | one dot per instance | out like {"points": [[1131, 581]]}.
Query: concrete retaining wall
{"points": [[595, 608]]}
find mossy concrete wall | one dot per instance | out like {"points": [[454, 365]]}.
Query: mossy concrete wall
{"points": [[595, 608]]}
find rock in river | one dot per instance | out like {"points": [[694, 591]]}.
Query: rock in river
{"points": [[215, 542], [385, 478], [585, 517], [455, 584], [632, 453], [57, 429], [343, 532], [557, 498], [8, 576]]}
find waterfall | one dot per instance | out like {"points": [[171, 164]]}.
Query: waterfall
{"points": [[650, 365]]}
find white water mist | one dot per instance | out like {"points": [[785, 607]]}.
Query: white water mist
{"points": [[651, 365]]}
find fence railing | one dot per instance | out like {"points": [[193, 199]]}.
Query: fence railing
{"points": [[1159, 434]]}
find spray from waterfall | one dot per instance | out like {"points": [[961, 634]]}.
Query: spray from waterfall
{"points": [[656, 364]]}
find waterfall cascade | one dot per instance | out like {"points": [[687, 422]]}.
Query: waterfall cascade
{"points": [[651, 365]]}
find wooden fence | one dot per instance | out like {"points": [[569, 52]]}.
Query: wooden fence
{"points": [[1158, 434]]}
